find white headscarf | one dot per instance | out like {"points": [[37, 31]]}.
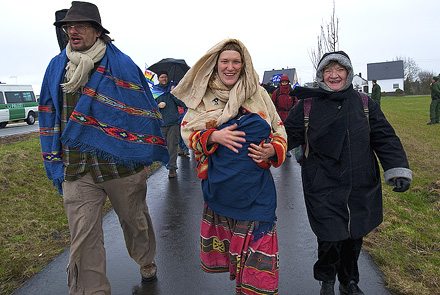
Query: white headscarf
{"points": [[202, 75]]}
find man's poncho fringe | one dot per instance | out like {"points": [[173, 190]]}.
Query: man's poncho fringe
{"points": [[116, 117]]}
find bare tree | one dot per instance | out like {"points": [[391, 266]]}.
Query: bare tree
{"points": [[425, 79], [328, 39], [410, 68], [410, 71], [332, 40], [316, 54]]}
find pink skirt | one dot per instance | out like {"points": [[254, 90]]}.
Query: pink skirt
{"points": [[228, 245]]}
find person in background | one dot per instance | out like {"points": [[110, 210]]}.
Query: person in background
{"points": [[168, 104], [283, 101], [376, 91], [183, 149], [340, 173], [237, 135], [85, 143], [434, 108]]}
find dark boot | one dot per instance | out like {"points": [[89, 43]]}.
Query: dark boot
{"points": [[172, 173], [350, 289], [430, 123], [327, 288]]}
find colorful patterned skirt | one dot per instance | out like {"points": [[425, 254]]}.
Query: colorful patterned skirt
{"points": [[228, 245]]}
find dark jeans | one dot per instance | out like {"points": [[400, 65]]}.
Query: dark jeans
{"points": [[339, 258]]}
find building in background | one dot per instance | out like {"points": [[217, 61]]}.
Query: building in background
{"points": [[389, 75], [271, 79], [359, 83]]}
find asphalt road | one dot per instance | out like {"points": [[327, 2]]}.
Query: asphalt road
{"points": [[176, 206], [18, 128]]}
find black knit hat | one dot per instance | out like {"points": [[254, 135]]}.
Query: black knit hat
{"points": [[161, 72], [82, 12]]}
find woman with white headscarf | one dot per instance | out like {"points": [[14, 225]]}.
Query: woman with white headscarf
{"points": [[237, 135]]}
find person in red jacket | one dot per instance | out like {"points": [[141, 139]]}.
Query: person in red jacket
{"points": [[283, 101], [281, 98]]}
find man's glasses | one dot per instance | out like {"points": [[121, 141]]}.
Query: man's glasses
{"points": [[79, 28]]}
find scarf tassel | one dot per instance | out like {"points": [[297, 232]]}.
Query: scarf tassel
{"points": [[85, 148], [58, 183]]}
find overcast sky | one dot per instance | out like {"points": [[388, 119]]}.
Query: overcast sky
{"points": [[278, 34]]}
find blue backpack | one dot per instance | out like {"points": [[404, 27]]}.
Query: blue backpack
{"points": [[303, 150]]}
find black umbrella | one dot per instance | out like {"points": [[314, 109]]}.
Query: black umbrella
{"points": [[176, 68]]}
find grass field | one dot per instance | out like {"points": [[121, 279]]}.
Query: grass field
{"points": [[33, 225], [406, 245]]}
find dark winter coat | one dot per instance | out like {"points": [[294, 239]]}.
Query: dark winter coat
{"points": [[343, 191], [435, 90], [170, 113], [284, 102], [376, 93]]}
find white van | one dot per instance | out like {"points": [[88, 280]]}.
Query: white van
{"points": [[17, 102]]}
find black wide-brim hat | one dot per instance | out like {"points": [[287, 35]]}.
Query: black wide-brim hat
{"points": [[82, 12]]}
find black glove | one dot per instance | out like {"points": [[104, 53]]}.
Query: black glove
{"points": [[402, 185]]}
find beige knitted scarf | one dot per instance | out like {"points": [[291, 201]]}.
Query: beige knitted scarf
{"points": [[80, 64], [202, 75]]}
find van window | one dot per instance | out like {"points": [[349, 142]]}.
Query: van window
{"points": [[20, 96], [28, 96], [2, 100]]}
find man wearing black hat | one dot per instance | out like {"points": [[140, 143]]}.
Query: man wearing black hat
{"points": [[376, 91], [100, 128], [168, 104]]}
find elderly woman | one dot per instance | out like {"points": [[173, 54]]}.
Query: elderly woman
{"points": [[237, 135], [341, 176]]}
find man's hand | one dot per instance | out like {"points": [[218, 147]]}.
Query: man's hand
{"points": [[402, 185]]}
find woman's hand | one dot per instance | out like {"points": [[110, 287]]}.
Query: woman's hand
{"points": [[228, 137], [161, 105], [261, 153]]}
